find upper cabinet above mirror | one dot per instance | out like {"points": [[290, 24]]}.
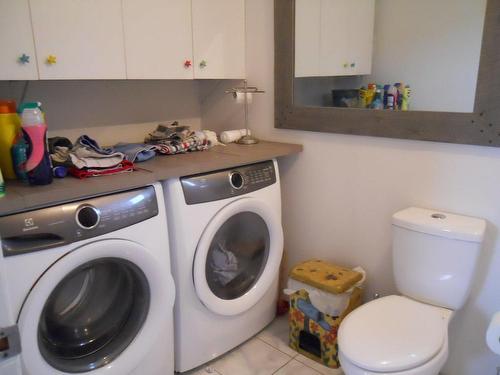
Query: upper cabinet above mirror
{"points": [[388, 54]]}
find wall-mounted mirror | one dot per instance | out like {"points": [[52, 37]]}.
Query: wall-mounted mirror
{"points": [[429, 68], [393, 54]]}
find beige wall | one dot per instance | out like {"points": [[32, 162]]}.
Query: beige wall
{"points": [[339, 194], [100, 108]]}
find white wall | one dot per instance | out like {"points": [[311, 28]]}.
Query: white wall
{"points": [[339, 194], [432, 45]]}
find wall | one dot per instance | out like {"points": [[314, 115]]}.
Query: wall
{"points": [[340, 193], [433, 46], [110, 111]]}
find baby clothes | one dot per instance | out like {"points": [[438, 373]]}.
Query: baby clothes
{"points": [[88, 154], [135, 152]]}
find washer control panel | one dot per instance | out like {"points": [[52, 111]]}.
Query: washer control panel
{"points": [[64, 224], [228, 183]]}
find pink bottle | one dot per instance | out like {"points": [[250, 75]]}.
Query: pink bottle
{"points": [[38, 166]]}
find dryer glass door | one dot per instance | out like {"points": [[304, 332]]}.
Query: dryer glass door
{"points": [[238, 256]]}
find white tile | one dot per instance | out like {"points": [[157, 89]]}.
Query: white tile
{"points": [[296, 368], [255, 357], [276, 335], [318, 366], [204, 370]]}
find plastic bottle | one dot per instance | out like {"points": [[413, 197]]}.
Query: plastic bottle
{"points": [[38, 165], [2, 185], [405, 106], [19, 157], [9, 129], [378, 102], [362, 97]]}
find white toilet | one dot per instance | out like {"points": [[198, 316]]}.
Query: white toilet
{"points": [[434, 259]]}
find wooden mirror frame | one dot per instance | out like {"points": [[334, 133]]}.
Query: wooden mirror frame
{"points": [[481, 127]]}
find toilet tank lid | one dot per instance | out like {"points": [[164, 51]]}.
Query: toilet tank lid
{"points": [[439, 223]]}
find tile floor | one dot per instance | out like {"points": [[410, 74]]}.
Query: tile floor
{"points": [[265, 354]]}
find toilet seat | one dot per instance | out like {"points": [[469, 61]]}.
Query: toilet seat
{"points": [[393, 334]]}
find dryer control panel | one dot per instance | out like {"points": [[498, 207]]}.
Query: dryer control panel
{"points": [[64, 224], [228, 183]]}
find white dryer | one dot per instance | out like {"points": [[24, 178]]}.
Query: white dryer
{"points": [[226, 243], [86, 287]]}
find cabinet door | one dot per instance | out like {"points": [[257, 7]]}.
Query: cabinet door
{"points": [[79, 39], [158, 39], [346, 37], [361, 53], [17, 56], [219, 38], [307, 37]]}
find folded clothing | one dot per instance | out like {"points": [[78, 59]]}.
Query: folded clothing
{"points": [[88, 154], [60, 156], [124, 166], [168, 132], [55, 142], [135, 152], [179, 139]]}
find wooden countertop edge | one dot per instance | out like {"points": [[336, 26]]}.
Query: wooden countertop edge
{"points": [[21, 198]]}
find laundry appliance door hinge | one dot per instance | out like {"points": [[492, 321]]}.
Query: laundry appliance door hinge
{"points": [[10, 342]]}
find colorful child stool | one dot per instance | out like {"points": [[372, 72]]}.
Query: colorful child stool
{"points": [[321, 295]]}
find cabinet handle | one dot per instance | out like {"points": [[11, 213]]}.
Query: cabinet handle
{"points": [[51, 59], [24, 59], [203, 64], [346, 65], [187, 64], [353, 65]]}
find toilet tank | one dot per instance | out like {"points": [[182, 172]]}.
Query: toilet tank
{"points": [[435, 255]]}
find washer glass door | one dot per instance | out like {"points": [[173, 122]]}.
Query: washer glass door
{"points": [[238, 256], [100, 308], [93, 314]]}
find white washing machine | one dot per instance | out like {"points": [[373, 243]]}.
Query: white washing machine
{"points": [[226, 244], [86, 287]]}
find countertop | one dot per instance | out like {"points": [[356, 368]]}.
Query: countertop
{"points": [[20, 197]]}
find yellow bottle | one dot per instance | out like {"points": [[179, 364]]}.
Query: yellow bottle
{"points": [[10, 126]]}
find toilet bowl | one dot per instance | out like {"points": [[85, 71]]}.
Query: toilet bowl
{"points": [[434, 261], [394, 335]]}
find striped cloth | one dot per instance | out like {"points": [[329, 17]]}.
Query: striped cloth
{"points": [[192, 143]]}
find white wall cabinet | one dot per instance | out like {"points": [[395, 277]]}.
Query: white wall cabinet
{"points": [[17, 56], [219, 38], [79, 39], [158, 39], [119, 39], [334, 37]]}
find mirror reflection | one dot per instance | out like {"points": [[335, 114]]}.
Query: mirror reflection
{"points": [[388, 54]]}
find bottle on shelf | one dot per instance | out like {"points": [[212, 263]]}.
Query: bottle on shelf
{"points": [[2, 185], [9, 129], [38, 166]]}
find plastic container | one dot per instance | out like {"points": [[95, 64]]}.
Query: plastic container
{"points": [[321, 295], [38, 166], [2, 185], [9, 129], [19, 157]]}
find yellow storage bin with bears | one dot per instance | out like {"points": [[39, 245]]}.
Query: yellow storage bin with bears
{"points": [[321, 295]]}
